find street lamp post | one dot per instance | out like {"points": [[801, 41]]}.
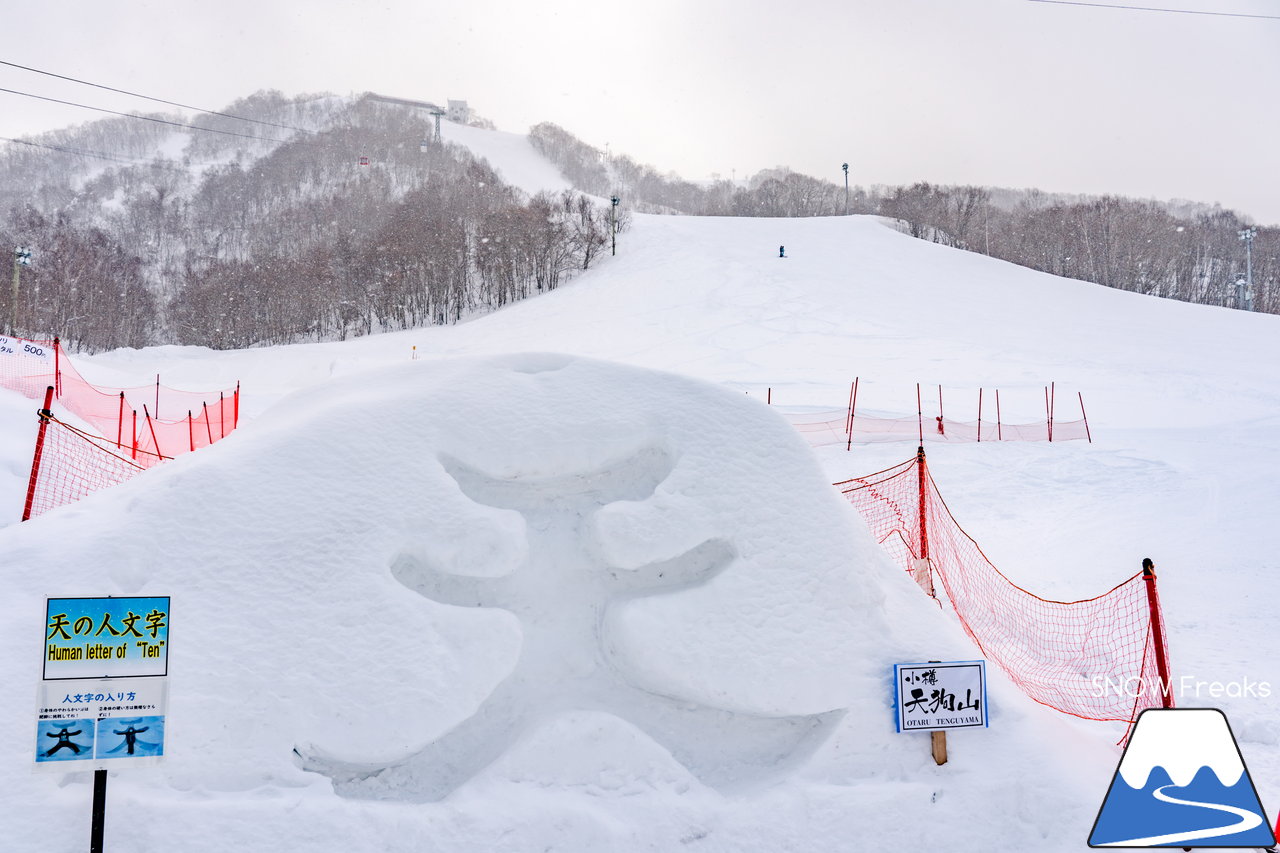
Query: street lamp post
{"points": [[613, 225], [845, 166], [21, 258], [1247, 236]]}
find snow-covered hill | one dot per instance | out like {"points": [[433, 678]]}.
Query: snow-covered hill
{"points": [[299, 521]]}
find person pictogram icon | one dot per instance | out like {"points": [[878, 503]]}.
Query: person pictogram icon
{"points": [[131, 736], [64, 740]]}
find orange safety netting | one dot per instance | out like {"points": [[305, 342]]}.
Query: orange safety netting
{"points": [[161, 420], [848, 427], [835, 427], [1097, 658], [72, 463]]}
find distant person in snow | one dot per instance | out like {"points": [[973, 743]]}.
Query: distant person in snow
{"points": [[782, 251]]}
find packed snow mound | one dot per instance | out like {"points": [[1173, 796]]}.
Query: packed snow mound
{"points": [[431, 559]]}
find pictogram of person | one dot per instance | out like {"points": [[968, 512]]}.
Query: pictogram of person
{"points": [[64, 740], [131, 736]]}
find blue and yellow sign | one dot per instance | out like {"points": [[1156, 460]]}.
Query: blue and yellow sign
{"points": [[106, 637]]}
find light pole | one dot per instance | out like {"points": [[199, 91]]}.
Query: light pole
{"points": [[845, 166], [1247, 236], [21, 258], [613, 225]]}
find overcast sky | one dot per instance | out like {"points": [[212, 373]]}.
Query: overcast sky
{"points": [[1014, 93]]}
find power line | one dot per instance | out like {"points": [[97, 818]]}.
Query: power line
{"points": [[142, 117], [128, 161], [69, 150], [1155, 9], [149, 98]]}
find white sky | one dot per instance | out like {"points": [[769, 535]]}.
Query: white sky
{"points": [[999, 92]]}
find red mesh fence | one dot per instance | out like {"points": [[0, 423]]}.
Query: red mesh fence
{"points": [[823, 429], [848, 426], [1095, 658], [74, 463], [28, 367], [138, 426], [168, 421]]}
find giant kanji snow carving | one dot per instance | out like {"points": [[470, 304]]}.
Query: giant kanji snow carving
{"points": [[641, 528]]}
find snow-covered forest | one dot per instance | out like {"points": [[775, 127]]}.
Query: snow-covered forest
{"points": [[335, 217], [1186, 251], [344, 217]]}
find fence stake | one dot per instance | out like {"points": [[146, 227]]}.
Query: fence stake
{"points": [[207, 427], [920, 415], [768, 396], [979, 414], [1053, 400], [999, 429], [922, 477], [57, 366], [1087, 434], [45, 415], [853, 407], [848, 416], [120, 422], [1048, 419], [135, 434], [191, 432], [1157, 631], [154, 441], [222, 417], [235, 416], [157, 396]]}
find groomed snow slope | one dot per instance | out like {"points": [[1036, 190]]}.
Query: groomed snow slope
{"points": [[1184, 411]]}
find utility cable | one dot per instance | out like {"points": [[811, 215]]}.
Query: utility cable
{"points": [[68, 150], [1155, 9], [142, 117], [149, 98], [128, 161]]}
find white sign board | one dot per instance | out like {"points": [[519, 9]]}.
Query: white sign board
{"points": [[15, 347], [98, 724], [940, 696]]}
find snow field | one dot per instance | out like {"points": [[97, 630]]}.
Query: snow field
{"points": [[666, 621], [309, 527]]}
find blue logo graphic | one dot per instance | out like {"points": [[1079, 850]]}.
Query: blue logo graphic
{"points": [[1182, 783]]}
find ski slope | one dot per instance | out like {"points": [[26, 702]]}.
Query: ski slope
{"points": [[272, 533]]}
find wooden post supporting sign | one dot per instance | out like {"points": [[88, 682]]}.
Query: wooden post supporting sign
{"points": [[938, 742]]}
